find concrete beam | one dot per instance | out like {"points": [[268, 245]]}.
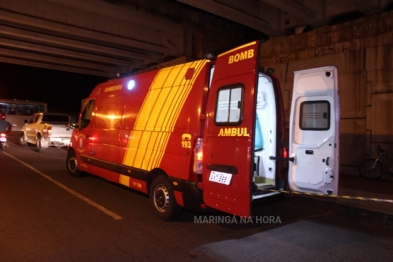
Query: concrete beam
{"points": [[105, 37], [368, 7], [96, 20], [237, 15], [28, 58], [292, 7], [285, 14], [88, 32], [49, 43]]}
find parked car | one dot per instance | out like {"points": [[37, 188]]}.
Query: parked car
{"points": [[46, 129]]}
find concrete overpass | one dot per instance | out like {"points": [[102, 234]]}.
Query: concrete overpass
{"points": [[110, 37]]}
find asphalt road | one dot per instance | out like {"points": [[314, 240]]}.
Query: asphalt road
{"points": [[46, 215]]}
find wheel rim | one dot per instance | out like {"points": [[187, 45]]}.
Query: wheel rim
{"points": [[72, 164], [161, 198], [371, 170], [22, 140]]}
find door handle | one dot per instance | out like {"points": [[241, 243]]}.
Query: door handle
{"points": [[327, 161], [309, 152], [292, 159]]}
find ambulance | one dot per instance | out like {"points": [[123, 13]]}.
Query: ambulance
{"points": [[210, 134]]}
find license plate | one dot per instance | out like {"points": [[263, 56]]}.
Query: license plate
{"points": [[220, 177], [3, 139]]}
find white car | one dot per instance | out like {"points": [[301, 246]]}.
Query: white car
{"points": [[46, 129]]}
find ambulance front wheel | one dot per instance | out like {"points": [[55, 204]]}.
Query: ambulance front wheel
{"points": [[163, 199], [72, 164]]}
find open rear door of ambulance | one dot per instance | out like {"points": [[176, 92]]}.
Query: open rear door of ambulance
{"points": [[314, 132], [227, 141]]}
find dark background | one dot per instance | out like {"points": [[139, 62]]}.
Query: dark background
{"points": [[62, 91]]}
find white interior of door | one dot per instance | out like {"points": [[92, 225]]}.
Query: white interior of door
{"points": [[314, 132]]}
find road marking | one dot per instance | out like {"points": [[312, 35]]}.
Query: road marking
{"points": [[69, 190], [332, 196]]}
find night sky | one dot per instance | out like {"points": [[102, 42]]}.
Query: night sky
{"points": [[62, 91]]}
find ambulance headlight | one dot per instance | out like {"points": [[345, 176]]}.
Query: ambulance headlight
{"points": [[131, 84]]}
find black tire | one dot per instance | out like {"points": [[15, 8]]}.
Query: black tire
{"points": [[163, 199], [72, 165], [22, 140], [371, 170], [39, 146]]}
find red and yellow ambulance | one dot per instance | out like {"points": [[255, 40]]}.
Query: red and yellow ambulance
{"points": [[210, 134]]}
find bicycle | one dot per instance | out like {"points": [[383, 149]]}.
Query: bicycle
{"points": [[372, 168]]}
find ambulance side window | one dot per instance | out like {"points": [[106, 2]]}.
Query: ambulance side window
{"points": [[87, 114], [229, 105], [315, 115]]}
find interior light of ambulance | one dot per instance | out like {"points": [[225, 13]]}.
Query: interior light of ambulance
{"points": [[285, 153], [131, 84]]}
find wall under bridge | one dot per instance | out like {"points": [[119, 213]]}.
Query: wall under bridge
{"points": [[363, 52]]}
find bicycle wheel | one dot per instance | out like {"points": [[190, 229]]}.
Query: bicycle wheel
{"points": [[370, 169]]}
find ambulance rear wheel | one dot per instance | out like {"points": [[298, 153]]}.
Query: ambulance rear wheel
{"points": [[72, 165], [163, 199]]}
